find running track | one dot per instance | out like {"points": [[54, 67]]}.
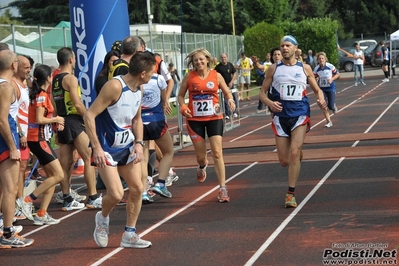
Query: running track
{"points": [[347, 193]]}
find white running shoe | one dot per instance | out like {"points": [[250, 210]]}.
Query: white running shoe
{"points": [[101, 231], [26, 209], [95, 204], [73, 205], [45, 220], [133, 240], [329, 124]]}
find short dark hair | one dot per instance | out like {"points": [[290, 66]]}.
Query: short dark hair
{"points": [[141, 61], [381, 42], [4, 46], [63, 55]]}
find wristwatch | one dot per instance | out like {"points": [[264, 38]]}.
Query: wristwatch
{"points": [[140, 142], [21, 134]]}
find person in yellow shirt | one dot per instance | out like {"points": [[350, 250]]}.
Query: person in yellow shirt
{"points": [[245, 65]]}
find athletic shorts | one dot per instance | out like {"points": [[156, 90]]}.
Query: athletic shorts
{"points": [[385, 62], [197, 129], [43, 151], [283, 126], [74, 125], [118, 158], [155, 130], [245, 79], [25, 154]]}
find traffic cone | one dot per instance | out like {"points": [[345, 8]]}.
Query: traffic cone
{"points": [[79, 170]]}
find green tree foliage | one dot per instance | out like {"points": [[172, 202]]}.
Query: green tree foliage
{"points": [[355, 17], [44, 12], [318, 35], [261, 38], [270, 11]]}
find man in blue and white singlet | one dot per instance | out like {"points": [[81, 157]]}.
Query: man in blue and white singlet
{"points": [[290, 107], [115, 129]]}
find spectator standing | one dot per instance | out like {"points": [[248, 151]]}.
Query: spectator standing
{"points": [[358, 60], [310, 59], [385, 61], [229, 74], [245, 65], [262, 67], [175, 76]]}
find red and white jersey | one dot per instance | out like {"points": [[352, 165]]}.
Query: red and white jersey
{"points": [[23, 110]]}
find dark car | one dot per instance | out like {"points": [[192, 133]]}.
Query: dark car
{"points": [[376, 55], [345, 62], [368, 53]]}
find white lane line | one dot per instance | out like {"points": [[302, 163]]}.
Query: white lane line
{"points": [[273, 236], [158, 224]]}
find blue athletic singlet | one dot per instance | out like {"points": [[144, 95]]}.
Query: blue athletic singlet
{"points": [[151, 105], [289, 88], [114, 124], [324, 75], [12, 121]]}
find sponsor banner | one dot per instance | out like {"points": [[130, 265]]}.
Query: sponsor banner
{"points": [[95, 25]]}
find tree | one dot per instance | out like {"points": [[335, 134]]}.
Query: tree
{"points": [[44, 12], [270, 11]]}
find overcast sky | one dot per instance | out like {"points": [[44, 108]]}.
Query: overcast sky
{"points": [[3, 3]]}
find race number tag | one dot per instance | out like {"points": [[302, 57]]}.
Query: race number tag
{"points": [[123, 138], [323, 82], [203, 107], [291, 92], [47, 130]]}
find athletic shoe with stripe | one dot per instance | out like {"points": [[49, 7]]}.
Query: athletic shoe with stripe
{"points": [[73, 205], [133, 240], [45, 220], [161, 190], [15, 241], [27, 209], [95, 204]]}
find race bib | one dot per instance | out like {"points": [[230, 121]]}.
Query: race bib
{"points": [[123, 138], [47, 130], [323, 82], [291, 92], [203, 107]]}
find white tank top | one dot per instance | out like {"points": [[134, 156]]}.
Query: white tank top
{"points": [[23, 107]]}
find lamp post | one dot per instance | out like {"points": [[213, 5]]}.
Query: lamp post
{"points": [[232, 18], [150, 17]]}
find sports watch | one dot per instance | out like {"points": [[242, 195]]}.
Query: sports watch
{"points": [[21, 134], [140, 142]]}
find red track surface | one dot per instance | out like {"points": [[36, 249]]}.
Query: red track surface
{"points": [[347, 193]]}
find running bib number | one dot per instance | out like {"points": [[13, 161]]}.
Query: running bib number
{"points": [[323, 82], [47, 130], [203, 107], [291, 92], [123, 138]]}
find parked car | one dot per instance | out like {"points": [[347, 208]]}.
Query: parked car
{"points": [[364, 44], [376, 55], [368, 53], [345, 62]]}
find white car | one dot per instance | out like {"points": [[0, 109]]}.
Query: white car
{"points": [[365, 43]]}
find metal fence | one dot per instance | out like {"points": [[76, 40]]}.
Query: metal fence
{"points": [[42, 43]]}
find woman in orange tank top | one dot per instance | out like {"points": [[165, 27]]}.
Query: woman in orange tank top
{"points": [[204, 115]]}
